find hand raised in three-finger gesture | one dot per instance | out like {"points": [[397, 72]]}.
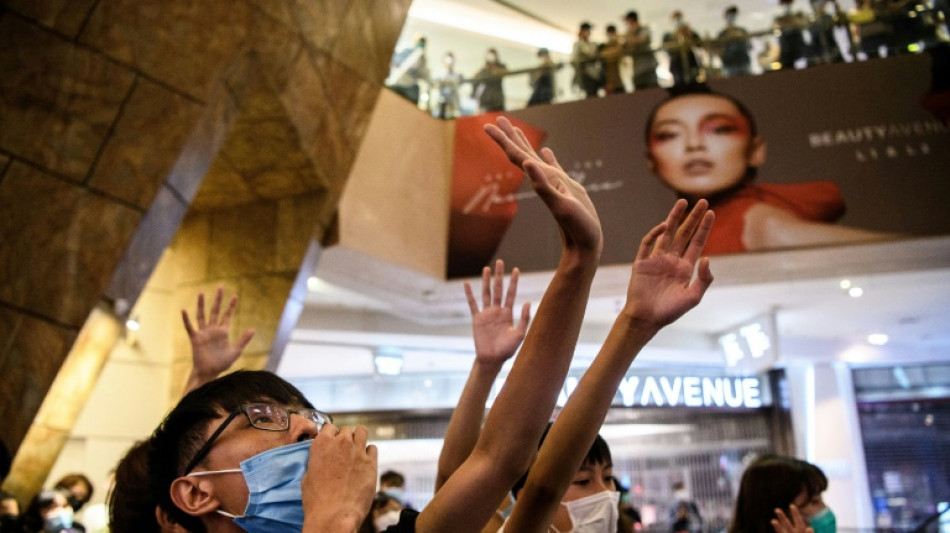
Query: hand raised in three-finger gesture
{"points": [[497, 337]]}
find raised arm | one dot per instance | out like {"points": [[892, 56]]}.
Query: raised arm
{"points": [[661, 290], [509, 438], [211, 350], [496, 340]]}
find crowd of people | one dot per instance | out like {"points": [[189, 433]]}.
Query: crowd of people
{"points": [[627, 58], [247, 451]]}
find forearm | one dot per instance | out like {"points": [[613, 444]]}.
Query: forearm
{"points": [[577, 426], [340, 522], [196, 379], [525, 403], [466, 421]]}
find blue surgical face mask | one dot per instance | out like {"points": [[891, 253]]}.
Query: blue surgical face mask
{"points": [[275, 500], [395, 493], [58, 520], [823, 521]]}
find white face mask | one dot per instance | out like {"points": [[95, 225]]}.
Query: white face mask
{"points": [[595, 514], [385, 520]]}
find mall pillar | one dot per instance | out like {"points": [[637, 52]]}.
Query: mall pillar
{"points": [[828, 434]]}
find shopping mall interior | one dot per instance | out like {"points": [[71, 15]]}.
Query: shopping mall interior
{"points": [[154, 151]]}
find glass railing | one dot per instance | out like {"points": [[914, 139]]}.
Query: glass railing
{"points": [[794, 41]]}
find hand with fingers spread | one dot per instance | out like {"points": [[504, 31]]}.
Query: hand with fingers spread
{"points": [[340, 482], [661, 286], [797, 523], [211, 349], [496, 340], [496, 337], [567, 199]]}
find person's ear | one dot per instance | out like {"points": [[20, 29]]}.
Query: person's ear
{"points": [[193, 496], [757, 152]]}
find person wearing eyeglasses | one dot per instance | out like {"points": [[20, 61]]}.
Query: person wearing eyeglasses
{"points": [[247, 451]]}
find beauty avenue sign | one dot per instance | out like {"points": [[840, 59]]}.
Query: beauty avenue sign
{"points": [[684, 391]]}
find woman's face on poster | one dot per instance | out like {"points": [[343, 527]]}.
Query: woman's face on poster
{"points": [[700, 145]]}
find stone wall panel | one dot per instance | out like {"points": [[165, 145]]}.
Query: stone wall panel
{"points": [[182, 43], [60, 244], [145, 144], [57, 101], [33, 350], [62, 16]]}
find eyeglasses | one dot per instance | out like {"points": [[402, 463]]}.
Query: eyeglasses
{"points": [[264, 416]]}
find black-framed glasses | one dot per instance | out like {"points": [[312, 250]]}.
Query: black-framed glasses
{"points": [[264, 416]]}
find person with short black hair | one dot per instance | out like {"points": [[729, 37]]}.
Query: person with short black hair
{"points": [[637, 43], [734, 45], [586, 61]]}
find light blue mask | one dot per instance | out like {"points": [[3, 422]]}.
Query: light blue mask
{"points": [[275, 501], [823, 521]]}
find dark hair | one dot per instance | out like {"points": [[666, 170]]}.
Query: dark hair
{"points": [[181, 434], [69, 480], [772, 482], [132, 502], [632, 15], [599, 453], [391, 477]]}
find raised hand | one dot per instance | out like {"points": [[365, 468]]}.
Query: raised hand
{"points": [[797, 524], [211, 350], [567, 199], [496, 337], [661, 286]]}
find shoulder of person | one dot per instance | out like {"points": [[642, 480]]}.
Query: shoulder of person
{"points": [[407, 522]]}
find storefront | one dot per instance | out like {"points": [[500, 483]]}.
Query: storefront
{"points": [[697, 427]]}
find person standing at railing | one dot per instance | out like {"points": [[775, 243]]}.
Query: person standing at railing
{"points": [[637, 42], [679, 45], [791, 40], [542, 80], [447, 87], [611, 51], [823, 47], [586, 61], [488, 89], [733, 46]]}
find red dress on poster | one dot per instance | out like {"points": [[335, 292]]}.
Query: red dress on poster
{"points": [[483, 187], [819, 201]]}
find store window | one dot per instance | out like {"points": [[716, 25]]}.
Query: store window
{"points": [[904, 414]]}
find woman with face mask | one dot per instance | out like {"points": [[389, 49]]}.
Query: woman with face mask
{"points": [[703, 144], [49, 512], [782, 495]]}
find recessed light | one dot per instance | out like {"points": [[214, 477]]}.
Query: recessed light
{"points": [[878, 339]]}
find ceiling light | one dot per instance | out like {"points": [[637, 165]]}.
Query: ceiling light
{"points": [[877, 339], [388, 362], [313, 284], [855, 292]]}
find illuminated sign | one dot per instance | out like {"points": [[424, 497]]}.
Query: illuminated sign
{"points": [[751, 346], [682, 391]]}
